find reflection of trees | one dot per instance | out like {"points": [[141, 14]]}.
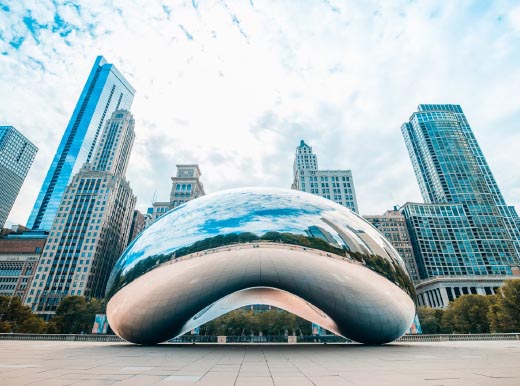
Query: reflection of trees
{"points": [[149, 263], [389, 269], [244, 322], [303, 241]]}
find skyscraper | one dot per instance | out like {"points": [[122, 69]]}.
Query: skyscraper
{"points": [[92, 225], [465, 227], [106, 90], [186, 186], [16, 157], [335, 185]]}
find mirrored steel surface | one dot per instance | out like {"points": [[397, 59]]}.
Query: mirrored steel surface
{"points": [[291, 249]]}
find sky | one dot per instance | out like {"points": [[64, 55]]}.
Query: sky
{"points": [[235, 85]]}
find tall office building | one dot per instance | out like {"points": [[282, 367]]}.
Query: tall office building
{"points": [[106, 90], [465, 227], [186, 186], [335, 185], [16, 157], [92, 226], [392, 225]]}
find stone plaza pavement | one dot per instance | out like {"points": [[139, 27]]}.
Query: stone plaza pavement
{"points": [[87, 363]]}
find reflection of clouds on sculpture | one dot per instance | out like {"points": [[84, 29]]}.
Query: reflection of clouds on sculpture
{"points": [[250, 210], [317, 253]]}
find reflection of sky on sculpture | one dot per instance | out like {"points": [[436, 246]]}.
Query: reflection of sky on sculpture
{"points": [[255, 210]]}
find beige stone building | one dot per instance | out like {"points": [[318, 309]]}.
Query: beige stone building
{"points": [[335, 185], [186, 186], [392, 225]]}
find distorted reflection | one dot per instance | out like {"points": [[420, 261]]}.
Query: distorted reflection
{"points": [[298, 250], [249, 215]]}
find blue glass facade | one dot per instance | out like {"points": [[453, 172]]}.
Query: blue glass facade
{"points": [[16, 157], [106, 90], [92, 224], [465, 227]]}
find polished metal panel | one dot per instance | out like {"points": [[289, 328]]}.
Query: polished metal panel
{"points": [[286, 248]]}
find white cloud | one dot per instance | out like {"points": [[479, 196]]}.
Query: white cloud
{"points": [[234, 87]]}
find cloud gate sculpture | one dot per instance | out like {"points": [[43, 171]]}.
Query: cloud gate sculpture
{"points": [[290, 249]]}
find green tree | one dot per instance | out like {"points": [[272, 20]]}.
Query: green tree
{"points": [[495, 314], [504, 314], [15, 317], [431, 319], [510, 304], [248, 322], [33, 325], [75, 315], [467, 314]]}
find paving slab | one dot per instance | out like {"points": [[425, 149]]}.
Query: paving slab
{"points": [[488, 363]]}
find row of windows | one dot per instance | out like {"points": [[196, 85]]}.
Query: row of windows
{"points": [[326, 178], [183, 187]]}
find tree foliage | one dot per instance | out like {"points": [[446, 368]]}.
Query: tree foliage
{"points": [[504, 315], [243, 322], [467, 314], [431, 320], [17, 318], [75, 315]]}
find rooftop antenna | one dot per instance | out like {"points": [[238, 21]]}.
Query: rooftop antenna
{"points": [[154, 194]]}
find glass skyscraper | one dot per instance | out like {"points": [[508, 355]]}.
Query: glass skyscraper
{"points": [[92, 225], [106, 91], [16, 157], [465, 226]]}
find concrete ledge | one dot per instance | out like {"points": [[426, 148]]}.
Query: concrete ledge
{"points": [[317, 339]]}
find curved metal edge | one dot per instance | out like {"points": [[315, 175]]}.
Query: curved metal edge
{"points": [[261, 295], [365, 306]]}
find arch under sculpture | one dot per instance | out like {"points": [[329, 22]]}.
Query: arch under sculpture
{"points": [[286, 248]]}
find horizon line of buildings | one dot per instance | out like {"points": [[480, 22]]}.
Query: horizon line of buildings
{"points": [[464, 238]]}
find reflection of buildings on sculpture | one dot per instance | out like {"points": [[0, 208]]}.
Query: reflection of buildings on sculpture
{"points": [[335, 185], [278, 247], [92, 223], [464, 229], [185, 187], [393, 226], [320, 233]]}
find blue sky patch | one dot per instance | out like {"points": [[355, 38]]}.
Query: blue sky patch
{"points": [[17, 42], [33, 26], [188, 35], [61, 26]]}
